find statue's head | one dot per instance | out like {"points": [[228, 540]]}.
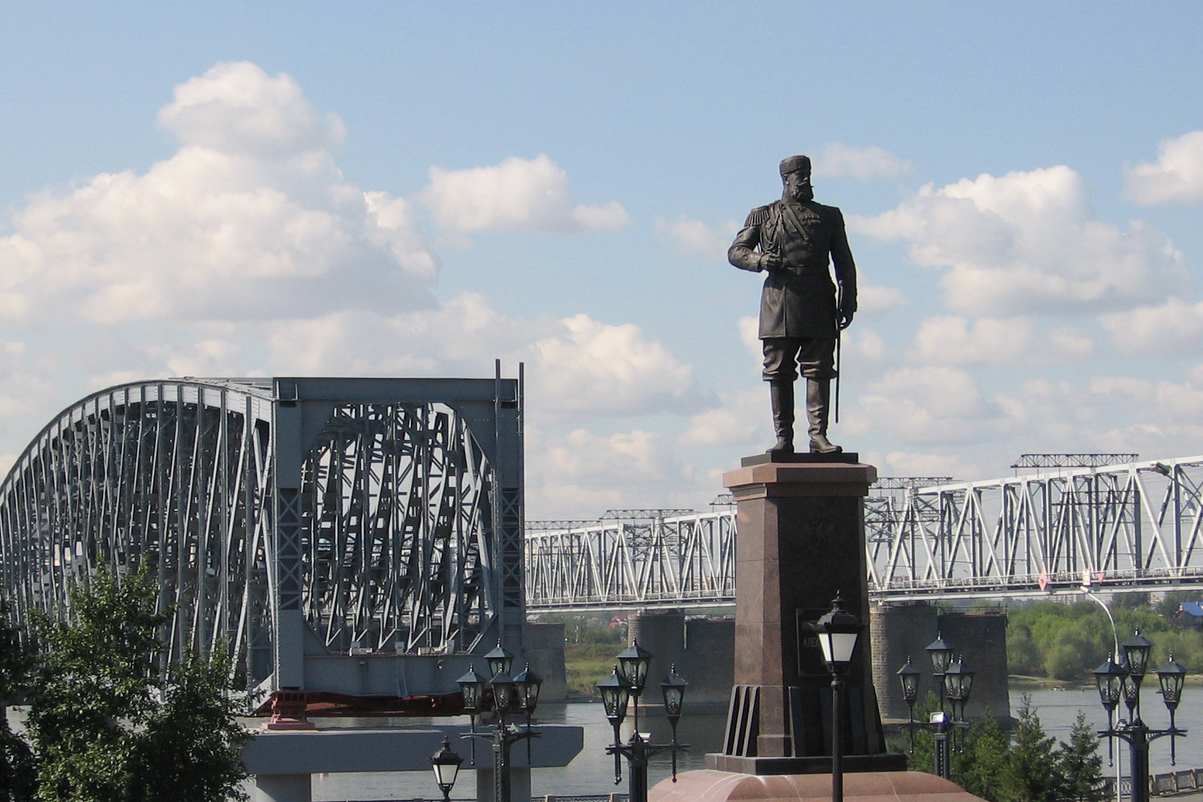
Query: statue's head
{"points": [[795, 175]]}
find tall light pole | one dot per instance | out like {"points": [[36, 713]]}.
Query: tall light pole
{"points": [[508, 692], [838, 631], [909, 676], [1112, 680], [954, 680]]}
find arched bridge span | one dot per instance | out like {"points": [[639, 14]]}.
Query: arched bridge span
{"points": [[293, 521]]}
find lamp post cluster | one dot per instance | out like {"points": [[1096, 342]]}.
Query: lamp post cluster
{"points": [[954, 681], [509, 693], [1122, 680], [627, 683]]}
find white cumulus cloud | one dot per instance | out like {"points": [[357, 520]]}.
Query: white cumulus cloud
{"points": [[740, 418], [516, 195], [1176, 176], [1015, 342], [933, 405], [1174, 327], [249, 219], [590, 367], [238, 108], [1028, 243], [584, 473], [839, 159]]}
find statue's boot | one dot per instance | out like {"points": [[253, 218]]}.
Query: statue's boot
{"points": [[818, 406], [781, 394]]}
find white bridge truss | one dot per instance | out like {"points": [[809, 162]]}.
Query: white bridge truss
{"points": [[284, 518], [669, 561], [1132, 526]]}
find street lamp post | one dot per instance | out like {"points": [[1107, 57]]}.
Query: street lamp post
{"points": [[445, 763], [1113, 682], [958, 681], [909, 676], [508, 691], [838, 632], [624, 684], [941, 658], [1136, 655]]}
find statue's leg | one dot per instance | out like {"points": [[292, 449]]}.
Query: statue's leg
{"points": [[818, 407], [817, 361], [781, 394], [780, 373]]}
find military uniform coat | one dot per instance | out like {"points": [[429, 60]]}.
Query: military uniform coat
{"points": [[799, 299]]}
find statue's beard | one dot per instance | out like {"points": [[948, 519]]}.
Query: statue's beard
{"points": [[801, 194]]}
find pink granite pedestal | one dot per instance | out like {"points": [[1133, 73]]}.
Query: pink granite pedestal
{"points": [[800, 542], [883, 786]]}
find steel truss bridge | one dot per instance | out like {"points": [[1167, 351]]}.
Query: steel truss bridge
{"points": [[1114, 528], [292, 521]]}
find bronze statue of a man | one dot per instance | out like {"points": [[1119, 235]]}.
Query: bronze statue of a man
{"points": [[801, 310]]}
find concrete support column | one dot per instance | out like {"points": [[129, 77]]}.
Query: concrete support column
{"points": [[900, 633], [282, 788], [519, 781], [980, 637], [663, 634]]}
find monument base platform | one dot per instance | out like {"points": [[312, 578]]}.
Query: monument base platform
{"points": [[708, 785], [853, 764]]}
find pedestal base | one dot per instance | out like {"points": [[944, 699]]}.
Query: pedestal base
{"points": [[881, 786], [767, 766]]}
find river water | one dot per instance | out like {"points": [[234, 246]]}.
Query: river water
{"points": [[592, 772]]}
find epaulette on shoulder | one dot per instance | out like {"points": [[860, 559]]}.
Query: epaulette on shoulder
{"points": [[757, 217]]}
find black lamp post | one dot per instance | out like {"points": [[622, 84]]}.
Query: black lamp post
{"points": [[941, 657], [523, 689], [1136, 655], [958, 681], [1109, 677], [633, 663], [445, 763], [1113, 682], [616, 691], [838, 631], [909, 676], [616, 694], [1171, 677]]}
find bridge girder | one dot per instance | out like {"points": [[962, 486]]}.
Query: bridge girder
{"points": [[1132, 526], [283, 517]]}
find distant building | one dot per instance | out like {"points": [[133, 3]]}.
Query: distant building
{"points": [[1191, 613]]}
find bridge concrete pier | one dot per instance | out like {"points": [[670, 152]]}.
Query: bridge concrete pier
{"points": [[904, 631], [701, 649], [282, 762]]}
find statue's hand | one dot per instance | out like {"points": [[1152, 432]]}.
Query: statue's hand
{"points": [[770, 261], [844, 319]]}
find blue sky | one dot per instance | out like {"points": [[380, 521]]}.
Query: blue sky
{"points": [[418, 189]]}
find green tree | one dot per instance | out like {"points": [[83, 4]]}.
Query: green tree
{"points": [[18, 773], [1081, 765], [1035, 773], [985, 765], [104, 723]]}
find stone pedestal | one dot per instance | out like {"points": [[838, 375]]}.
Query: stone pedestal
{"points": [[718, 786], [801, 541]]}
